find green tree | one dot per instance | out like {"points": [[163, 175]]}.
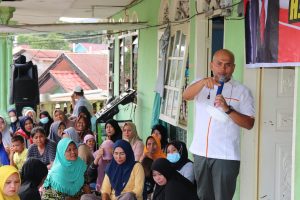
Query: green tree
{"points": [[44, 41]]}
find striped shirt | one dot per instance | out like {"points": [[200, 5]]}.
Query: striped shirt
{"points": [[48, 155]]}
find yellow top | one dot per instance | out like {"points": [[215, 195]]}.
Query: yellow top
{"points": [[19, 159], [135, 183], [5, 172]]}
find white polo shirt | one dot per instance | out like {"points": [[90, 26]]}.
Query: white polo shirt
{"points": [[216, 139]]}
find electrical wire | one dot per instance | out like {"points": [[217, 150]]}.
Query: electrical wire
{"points": [[134, 3]]}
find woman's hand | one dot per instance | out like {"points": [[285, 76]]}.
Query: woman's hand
{"points": [[99, 155]]}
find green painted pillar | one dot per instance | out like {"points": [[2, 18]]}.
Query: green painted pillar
{"points": [[296, 173], [6, 14]]}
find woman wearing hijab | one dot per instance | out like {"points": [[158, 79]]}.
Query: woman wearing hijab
{"points": [[26, 125], [4, 160], [153, 149], [56, 131], [72, 134], [113, 130], [66, 179], [177, 154], [14, 121], [31, 113], [90, 141], [45, 121], [4, 130], [59, 115], [102, 156], [9, 183], [130, 134], [169, 184], [161, 132], [123, 176], [32, 175]]}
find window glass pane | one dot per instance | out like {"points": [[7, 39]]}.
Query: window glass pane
{"points": [[121, 68], [134, 67], [169, 102], [176, 47], [111, 69], [163, 103], [175, 104], [127, 63], [182, 45], [172, 77], [171, 44], [167, 72], [179, 73]]}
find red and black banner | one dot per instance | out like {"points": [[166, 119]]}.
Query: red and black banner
{"points": [[272, 32]]}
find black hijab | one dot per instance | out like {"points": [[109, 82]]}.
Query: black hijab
{"points": [[48, 124], [163, 133], [118, 132], [182, 150], [32, 174], [177, 186]]}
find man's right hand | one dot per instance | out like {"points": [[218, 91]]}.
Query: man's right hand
{"points": [[192, 90], [210, 82]]}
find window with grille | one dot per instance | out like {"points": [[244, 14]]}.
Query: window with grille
{"points": [[128, 56]]}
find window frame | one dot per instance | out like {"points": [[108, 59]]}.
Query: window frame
{"points": [[133, 61], [174, 87]]}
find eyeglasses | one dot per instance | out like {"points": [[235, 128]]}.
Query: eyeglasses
{"points": [[119, 154]]}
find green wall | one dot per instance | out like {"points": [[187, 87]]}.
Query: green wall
{"points": [[297, 137], [234, 40], [147, 11]]}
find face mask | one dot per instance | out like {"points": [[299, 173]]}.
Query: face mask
{"points": [[44, 120], [13, 119], [173, 157]]}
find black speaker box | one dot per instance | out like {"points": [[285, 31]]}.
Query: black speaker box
{"points": [[25, 88]]}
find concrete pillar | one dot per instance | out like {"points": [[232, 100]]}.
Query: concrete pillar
{"points": [[6, 14]]}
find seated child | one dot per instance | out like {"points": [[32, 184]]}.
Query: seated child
{"points": [[18, 152]]}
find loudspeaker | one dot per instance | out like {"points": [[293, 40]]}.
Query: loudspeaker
{"points": [[24, 88]]}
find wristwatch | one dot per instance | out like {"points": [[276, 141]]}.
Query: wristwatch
{"points": [[229, 110]]}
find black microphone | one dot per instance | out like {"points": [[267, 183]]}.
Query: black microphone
{"points": [[220, 88]]}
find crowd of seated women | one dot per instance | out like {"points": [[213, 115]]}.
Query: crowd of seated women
{"points": [[57, 158]]}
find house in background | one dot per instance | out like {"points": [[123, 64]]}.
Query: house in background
{"points": [[42, 58], [90, 48], [90, 71]]}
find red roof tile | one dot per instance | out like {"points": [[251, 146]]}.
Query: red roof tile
{"points": [[93, 66], [69, 80], [48, 87], [44, 54]]}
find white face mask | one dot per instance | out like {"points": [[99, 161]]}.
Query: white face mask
{"points": [[13, 119]]}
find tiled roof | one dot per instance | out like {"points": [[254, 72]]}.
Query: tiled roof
{"points": [[48, 87], [93, 66], [69, 80], [44, 54]]}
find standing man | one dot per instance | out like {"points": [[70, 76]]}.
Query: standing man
{"points": [[216, 144], [81, 101]]}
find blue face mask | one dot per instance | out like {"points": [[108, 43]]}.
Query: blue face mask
{"points": [[44, 120], [173, 157]]}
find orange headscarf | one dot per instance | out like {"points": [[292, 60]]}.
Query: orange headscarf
{"points": [[158, 153]]}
